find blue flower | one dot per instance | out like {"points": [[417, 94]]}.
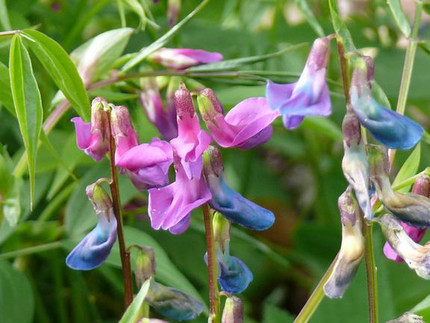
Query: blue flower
{"points": [[234, 276], [388, 127], [93, 250], [309, 95]]}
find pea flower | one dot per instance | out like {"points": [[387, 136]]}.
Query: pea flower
{"points": [[230, 203], [388, 127], [411, 208], [93, 137], [147, 165], [182, 58], [421, 187], [233, 310], [351, 250], [417, 257], [310, 94], [170, 207], [233, 275], [354, 163], [93, 250], [245, 126], [162, 117], [191, 141]]}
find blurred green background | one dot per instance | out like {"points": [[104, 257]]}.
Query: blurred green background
{"points": [[297, 174]]}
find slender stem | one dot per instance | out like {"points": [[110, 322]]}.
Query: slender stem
{"points": [[124, 254], [214, 304], [317, 296], [408, 67], [344, 71], [31, 250], [372, 286]]}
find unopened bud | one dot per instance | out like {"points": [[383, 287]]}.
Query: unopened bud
{"points": [[145, 265], [173, 10], [233, 310]]}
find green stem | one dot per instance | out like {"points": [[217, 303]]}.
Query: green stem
{"points": [[372, 286], [31, 250], [124, 254], [317, 296], [214, 302], [408, 67]]}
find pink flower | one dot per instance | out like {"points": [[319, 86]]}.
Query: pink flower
{"points": [[93, 137], [191, 141], [245, 126], [182, 58]]}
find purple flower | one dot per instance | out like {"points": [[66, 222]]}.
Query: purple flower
{"points": [[148, 164], [93, 137], [245, 126], [182, 58], [162, 118], [191, 141], [230, 203], [309, 95], [169, 207], [93, 250], [122, 130], [389, 127]]}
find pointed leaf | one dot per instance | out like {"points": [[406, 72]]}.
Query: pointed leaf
{"points": [[400, 18], [4, 16], [340, 27], [409, 169], [5, 92], [313, 22], [133, 313], [61, 68], [28, 104]]}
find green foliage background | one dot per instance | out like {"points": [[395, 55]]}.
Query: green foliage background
{"points": [[297, 174]]}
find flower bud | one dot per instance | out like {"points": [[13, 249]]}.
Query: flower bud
{"points": [[228, 202], [173, 10], [221, 230], [351, 250], [173, 303], [182, 58], [408, 318], [93, 138], [145, 265], [122, 130], [417, 257], [233, 310], [93, 250], [390, 128]]}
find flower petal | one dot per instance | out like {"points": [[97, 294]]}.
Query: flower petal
{"points": [[234, 276]]}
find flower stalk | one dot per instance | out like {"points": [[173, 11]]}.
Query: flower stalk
{"points": [[124, 254], [214, 302]]}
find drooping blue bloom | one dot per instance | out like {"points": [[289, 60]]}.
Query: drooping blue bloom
{"points": [[309, 95], [230, 203], [93, 250], [388, 127], [234, 276]]}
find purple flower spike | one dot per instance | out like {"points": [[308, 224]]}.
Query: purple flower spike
{"points": [[245, 126], [148, 164], [93, 250], [192, 141], [169, 207], [182, 58], [309, 95], [93, 138], [162, 118]]}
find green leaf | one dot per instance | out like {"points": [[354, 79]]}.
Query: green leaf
{"points": [[27, 102], [5, 92], [400, 18], [425, 46], [409, 168], [160, 42], [324, 126], [16, 296], [340, 27], [166, 272], [97, 55], [61, 68], [4, 17], [133, 312], [234, 63], [313, 22], [273, 314], [11, 205]]}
